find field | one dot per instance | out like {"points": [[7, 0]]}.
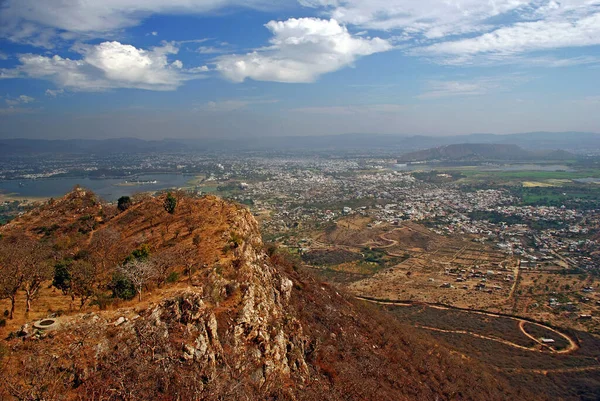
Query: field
{"points": [[410, 262]]}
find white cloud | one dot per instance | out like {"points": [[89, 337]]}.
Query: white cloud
{"points": [[3, 56], [474, 87], [23, 99], [211, 50], [428, 18], [15, 110], [39, 22], [105, 66], [231, 105], [200, 69], [457, 31], [439, 89], [54, 92], [555, 62], [300, 51], [353, 110], [525, 37]]}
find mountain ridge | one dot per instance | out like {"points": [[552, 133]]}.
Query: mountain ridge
{"points": [[579, 142]]}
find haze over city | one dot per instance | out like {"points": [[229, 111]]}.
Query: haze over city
{"points": [[221, 68]]}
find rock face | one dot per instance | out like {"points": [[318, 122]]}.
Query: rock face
{"points": [[234, 322]]}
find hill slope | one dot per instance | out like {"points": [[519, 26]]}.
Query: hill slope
{"points": [[482, 152], [246, 325]]}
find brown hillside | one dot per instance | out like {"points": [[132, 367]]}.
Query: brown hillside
{"points": [[247, 325]]}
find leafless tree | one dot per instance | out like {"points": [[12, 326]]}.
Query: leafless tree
{"points": [[11, 275], [84, 278], [188, 257], [163, 262], [26, 263], [105, 249], [37, 268], [140, 273]]}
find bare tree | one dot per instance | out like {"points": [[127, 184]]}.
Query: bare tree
{"points": [[84, 277], [36, 259], [140, 273], [105, 249], [188, 257], [163, 262], [26, 263], [11, 275]]}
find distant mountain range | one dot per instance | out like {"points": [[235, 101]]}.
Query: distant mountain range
{"points": [[483, 151], [576, 142]]}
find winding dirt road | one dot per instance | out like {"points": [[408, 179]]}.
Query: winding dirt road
{"points": [[539, 347]]}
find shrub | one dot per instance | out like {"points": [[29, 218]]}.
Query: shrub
{"points": [[170, 203], [172, 277], [121, 287], [102, 300], [142, 253], [124, 203]]}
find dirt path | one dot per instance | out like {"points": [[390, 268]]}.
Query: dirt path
{"points": [[571, 348], [572, 344], [491, 338]]}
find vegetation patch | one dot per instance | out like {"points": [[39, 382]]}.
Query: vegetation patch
{"points": [[330, 257]]}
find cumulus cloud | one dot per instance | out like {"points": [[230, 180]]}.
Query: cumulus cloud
{"points": [[105, 66], [300, 50]]}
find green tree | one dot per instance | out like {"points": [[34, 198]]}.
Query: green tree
{"points": [[62, 276], [122, 287], [170, 203], [124, 203], [142, 253]]}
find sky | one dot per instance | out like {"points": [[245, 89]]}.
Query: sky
{"points": [[237, 68]]}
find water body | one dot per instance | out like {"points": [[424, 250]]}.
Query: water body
{"points": [[108, 189], [415, 167], [588, 180]]}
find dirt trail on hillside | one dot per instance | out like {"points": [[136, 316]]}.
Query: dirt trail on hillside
{"points": [[572, 343]]}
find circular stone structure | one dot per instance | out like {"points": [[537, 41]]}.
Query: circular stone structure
{"points": [[46, 324]]}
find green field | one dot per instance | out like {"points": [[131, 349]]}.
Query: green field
{"points": [[479, 175]]}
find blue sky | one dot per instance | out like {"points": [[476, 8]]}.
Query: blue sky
{"points": [[227, 68]]}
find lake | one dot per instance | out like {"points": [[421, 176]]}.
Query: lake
{"points": [[108, 189]]}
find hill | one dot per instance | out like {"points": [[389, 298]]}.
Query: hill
{"points": [[235, 320], [482, 152]]}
